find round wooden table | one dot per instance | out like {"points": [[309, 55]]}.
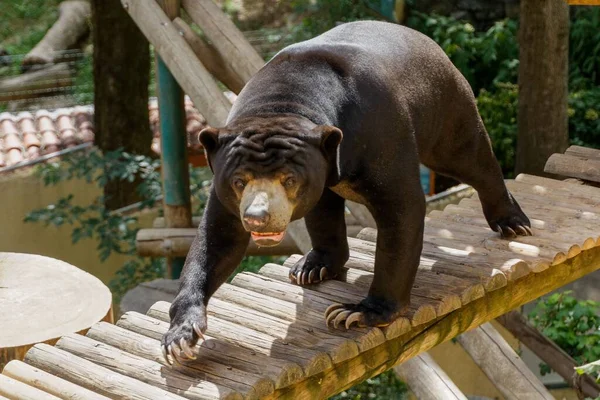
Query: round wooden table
{"points": [[42, 299]]}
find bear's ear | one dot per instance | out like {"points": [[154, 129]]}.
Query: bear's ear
{"points": [[331, 137], [209, 138]]}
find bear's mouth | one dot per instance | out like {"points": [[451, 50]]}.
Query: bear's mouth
{"points": [[267, 239]]}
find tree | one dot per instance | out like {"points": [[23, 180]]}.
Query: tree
{"points": [[121, 78], [543, 83]]}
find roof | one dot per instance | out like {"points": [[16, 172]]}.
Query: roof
{"points": [[28, 136]]}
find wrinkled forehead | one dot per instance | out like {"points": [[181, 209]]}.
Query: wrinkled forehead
{"points": [[266, 153]]}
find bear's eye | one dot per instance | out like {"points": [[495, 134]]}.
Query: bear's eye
{"points": [[239, 184], [289, 182]]}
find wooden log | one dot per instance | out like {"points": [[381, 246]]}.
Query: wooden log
{"points": [[176, 243], [249, 384], [338, 348], [312, 361], [583, 152], [211, 58], [549, 352], [502, 365], [14, 389], [93, 376], [574, 166], [230, 42], [72, 25], [181, 60], [49, 383], [143, 370], [282, 372], [427, 380], [300, 313], [36, 84]]}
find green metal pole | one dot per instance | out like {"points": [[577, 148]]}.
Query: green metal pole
{"points": [[173, 144]]}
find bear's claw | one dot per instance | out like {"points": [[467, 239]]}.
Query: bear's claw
{"points": [[308, 277], [338, 313]]}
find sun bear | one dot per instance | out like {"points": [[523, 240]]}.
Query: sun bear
{"points": [[346, 115]]}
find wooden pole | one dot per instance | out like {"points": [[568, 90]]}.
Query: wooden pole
{"points": [[226, 37], [180, 59], [176, 243], [550, 353], [502, 365], [211, 58], [173, 138], [427, 380]]}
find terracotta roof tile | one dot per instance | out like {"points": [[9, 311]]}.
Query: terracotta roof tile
{"points": [[27, 136]]}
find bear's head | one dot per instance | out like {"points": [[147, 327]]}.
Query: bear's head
{"points": [[272, 170]]}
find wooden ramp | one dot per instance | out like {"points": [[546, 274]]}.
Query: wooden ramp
{"points": [[267, 338]]}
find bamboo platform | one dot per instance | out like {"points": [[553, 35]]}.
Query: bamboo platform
{"points": [[267, 338]]}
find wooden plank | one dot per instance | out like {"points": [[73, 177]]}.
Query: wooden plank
{"points": [[312, 361], [92, 376], [419, 311], [449, 261], [424, 337], [281, 371], [176, 242], [465, 290], [562, 195], [502, 365], [14, 389], [462, 217], [226, 37], [49, 383], [549, 352], [338, 348], [574, 166], [364, 338], [249, 384], [180, 59], [573, 186], [144, 370], [427, 380]]}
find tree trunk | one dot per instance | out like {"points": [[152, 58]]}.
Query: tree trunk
{"points": [[121, 77], [543, 80]]}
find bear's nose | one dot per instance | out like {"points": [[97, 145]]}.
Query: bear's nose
{"points": [[256, 218]]}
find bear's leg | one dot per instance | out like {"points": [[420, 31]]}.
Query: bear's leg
{"points": [[399, 211], [467, 156], [327, 229], [216, 251]]}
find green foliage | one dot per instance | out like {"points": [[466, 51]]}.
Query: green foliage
{"points": [[584, 117], [574, 325], [584, 48], [498, 110], [385, 386], [322, 15], [484, 58]]}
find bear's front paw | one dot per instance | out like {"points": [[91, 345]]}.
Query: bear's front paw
{"points": [[314, 267], [187, 327], [369, 312]]}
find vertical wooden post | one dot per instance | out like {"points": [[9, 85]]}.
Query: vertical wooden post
{"points": [[175, 174]]}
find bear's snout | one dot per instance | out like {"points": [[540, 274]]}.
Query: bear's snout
{"points": [[257, 215]]}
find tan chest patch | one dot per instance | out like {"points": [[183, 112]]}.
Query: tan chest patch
{"points": [[346, 191]]}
